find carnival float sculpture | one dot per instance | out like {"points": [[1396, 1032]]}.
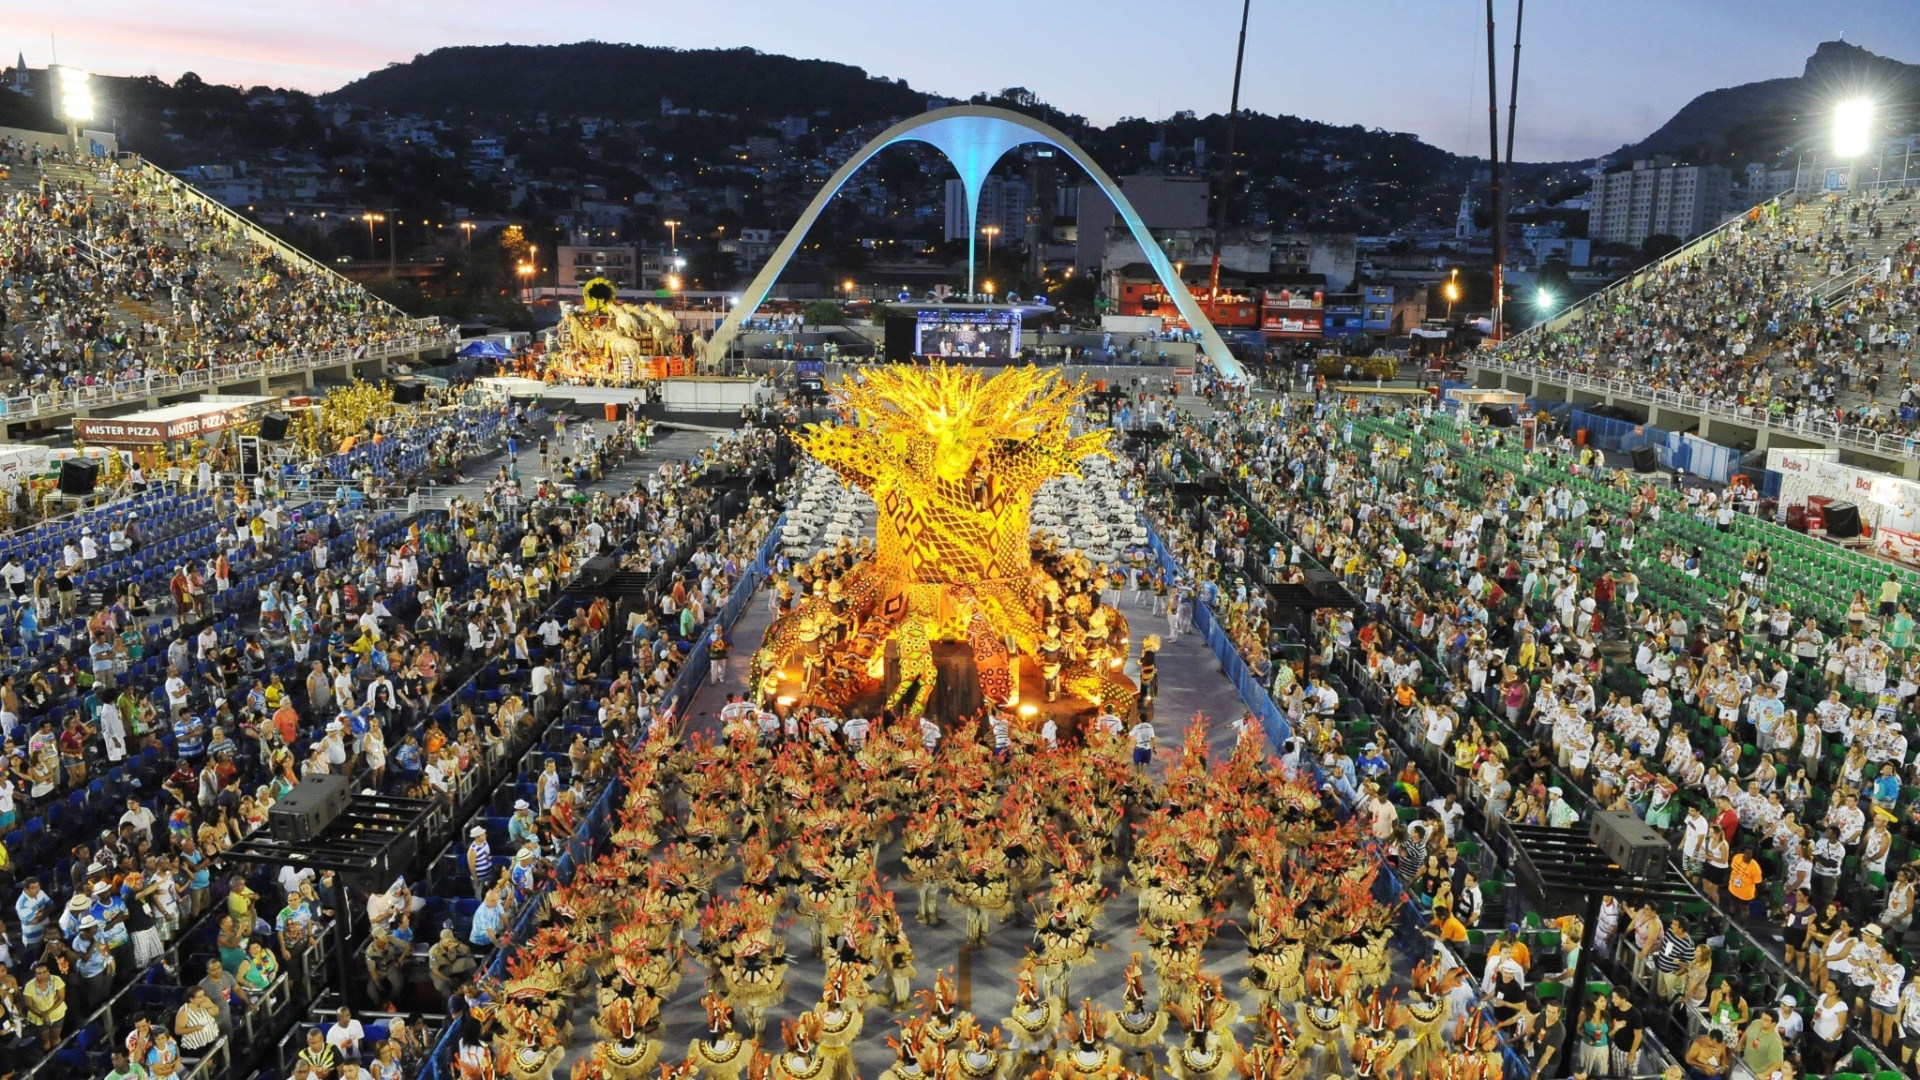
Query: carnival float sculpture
{"points": [[605, 338], [952, 459]]}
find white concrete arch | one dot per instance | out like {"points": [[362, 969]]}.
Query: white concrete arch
{"points": [[974, 138]]}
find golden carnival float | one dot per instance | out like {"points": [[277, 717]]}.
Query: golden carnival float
{"points": [[956, 605]]}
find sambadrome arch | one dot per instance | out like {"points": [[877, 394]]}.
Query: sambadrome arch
{"points": [[974, 138]]}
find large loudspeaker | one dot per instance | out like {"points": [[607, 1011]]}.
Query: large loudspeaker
{"points": [[78, 476], [1498, 415], [1632, 843], [1645, 459], [273, 427], [900, 333], [409, 393], [1843, 520], [309, 808]]}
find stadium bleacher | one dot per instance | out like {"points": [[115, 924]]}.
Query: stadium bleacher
{"points": [[1798, 314], [116, 279]]}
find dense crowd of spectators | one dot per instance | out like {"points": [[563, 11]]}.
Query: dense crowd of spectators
{"points": [[335, 667], [1759, 319], [1530, 675], [112, 272]]}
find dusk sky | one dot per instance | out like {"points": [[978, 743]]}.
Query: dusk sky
{"points": [[1593, 74]]}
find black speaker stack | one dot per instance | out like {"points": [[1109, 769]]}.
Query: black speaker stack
{"points": [[1639, 850], [273, 427], [1843, 520], [309, 809], [78, 476], [1646, 459]]}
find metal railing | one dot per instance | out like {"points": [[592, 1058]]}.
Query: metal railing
{"points": [[252, 231], [1633, 278], [121, 391], [1848, 436], [428, 333]]}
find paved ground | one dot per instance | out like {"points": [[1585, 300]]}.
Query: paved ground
{"points": [[669, 445]]}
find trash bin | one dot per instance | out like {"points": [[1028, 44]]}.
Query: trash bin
{"points": [[613, 413], [1580, 437]]}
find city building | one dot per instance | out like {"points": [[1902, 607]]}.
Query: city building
{"points": [[1654, 196], [753, 246], [578, 265], [1003, 205], [1759, 183]]}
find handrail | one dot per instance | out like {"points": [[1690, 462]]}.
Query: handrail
{"points": [[1849, 436], [122, 391], [1632, 278], [257, 234]]}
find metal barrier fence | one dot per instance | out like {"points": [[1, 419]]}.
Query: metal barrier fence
{"points": [[122, 391], [1413, 916], [593, 829], [1851, 436]]}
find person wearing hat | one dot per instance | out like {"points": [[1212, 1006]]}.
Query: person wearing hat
{"points": [[386, 966], [523, 873], [1371, 764], [92, 965], [1787, 1021], [450, 963], [523, 827], [1868, 954], [1559, 814], [480, 859], [77, 906]]}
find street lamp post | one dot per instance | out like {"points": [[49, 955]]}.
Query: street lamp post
{"points": [[673, 236], [989, 231], [466, 241], [371, 218]]}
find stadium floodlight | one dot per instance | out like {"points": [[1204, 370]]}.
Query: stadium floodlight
{"points": [[1545, 298], [1852, 127], [76, 95]]}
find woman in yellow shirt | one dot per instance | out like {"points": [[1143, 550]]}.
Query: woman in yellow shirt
{"points": [[46, 997]]}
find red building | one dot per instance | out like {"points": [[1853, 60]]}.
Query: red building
{"points": [[1140, 293], [1297, 314]]}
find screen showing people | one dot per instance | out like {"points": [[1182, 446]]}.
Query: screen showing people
{"points": [[975, 334]]}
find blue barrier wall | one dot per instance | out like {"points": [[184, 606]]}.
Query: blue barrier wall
{"points": [[1252, 693], [1687, 453], [594, 826], [1608, 433]]}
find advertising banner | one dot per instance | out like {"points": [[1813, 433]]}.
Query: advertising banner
{"points": [[1886, 502]]}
